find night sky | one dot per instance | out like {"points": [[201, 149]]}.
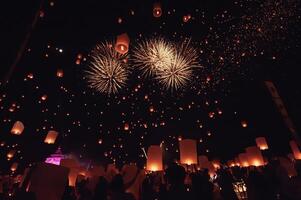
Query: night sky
{"points": [[240, 45]]}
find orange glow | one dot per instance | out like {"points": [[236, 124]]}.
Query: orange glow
{"points": [[126, 127], [154, 158], [14, 167], [60, 73], [188, 152], [51, 137], [244, 124], [262, 143], [122, 43], [18, 128], [295, 149], [255, 157], [157, 10]]}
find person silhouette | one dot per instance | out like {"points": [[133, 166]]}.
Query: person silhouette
{"points": [[175, 175], [101, 189], [117, 189]]}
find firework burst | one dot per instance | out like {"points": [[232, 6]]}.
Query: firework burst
{"points": [[179, 71], [153, 55], [171, 64], [107, 71]]}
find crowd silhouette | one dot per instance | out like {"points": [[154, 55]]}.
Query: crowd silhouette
{"points": [[270, 182]]}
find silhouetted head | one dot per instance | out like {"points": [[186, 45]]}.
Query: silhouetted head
{"points": [[117, 183], [175, 174]]}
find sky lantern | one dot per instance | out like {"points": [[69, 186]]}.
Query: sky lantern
{"points": [[51, 137], [122, 43], [231, 163], [157, 9], [262, 143], [44, 97], [243, 160], [18, 128], [216, 164], [126, 127], [151, 109], [60, 73], [186, 18], [295, 150], [244, 123], [188, 152], [73, 166], [254, 155], [154, 158], [10, 154], [14, 167]]}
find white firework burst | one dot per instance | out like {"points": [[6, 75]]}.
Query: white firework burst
{"points": [[153, 55], [179, 71], [108, 70]]}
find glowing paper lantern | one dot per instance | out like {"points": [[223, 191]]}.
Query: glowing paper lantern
{"points": [[126, 127], [60, 73], [231, 163], [73, 165], [262, 143], [186, 18], [14, 167], [243, 160], [244, 124], [295, 150], [154, 158], [51, 137], [18, 128], [255, 157], [157, 10], [188, 152], [122, 43], [204, 163], [216, 164], [10, 154]]}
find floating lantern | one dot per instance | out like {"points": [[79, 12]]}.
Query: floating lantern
{"points": [[44, 97], [73, 166], [10, 154], [243, 160], [188, 152], [122, 43], [295, 150], [244, 124], [51, 137], [255, 157], [157, 10], [262, 143], [18, 128], [186, 18], [151, 109], [231, 163], [14, 167], [216, 164], [154, 158], [126, 127], [60, 73]]}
